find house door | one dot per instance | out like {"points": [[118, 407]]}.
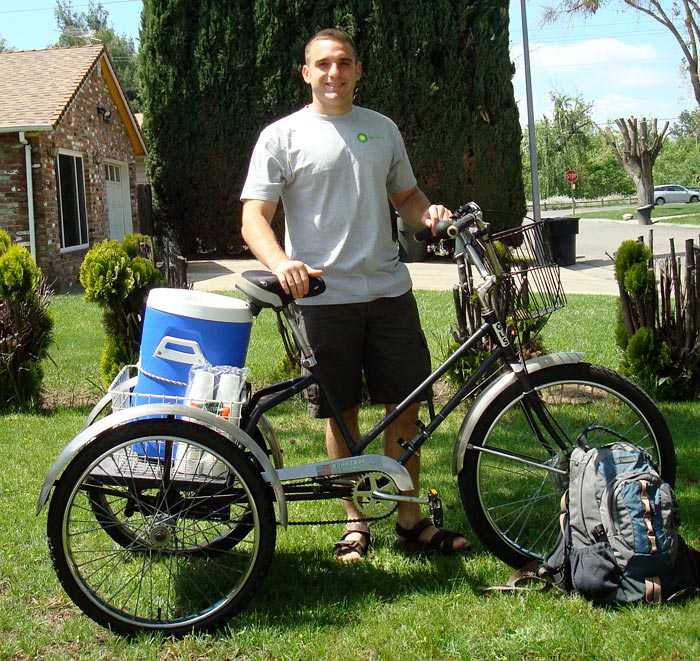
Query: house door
{"points": [[118, 200]]}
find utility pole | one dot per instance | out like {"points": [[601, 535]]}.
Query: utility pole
{"points": [[534, 175]]}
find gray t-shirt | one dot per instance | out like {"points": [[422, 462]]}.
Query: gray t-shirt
{"points": [[333, 174]]}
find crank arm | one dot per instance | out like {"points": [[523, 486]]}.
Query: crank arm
{"points": [[398, 498]]}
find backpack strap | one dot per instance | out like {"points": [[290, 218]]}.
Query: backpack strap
{"points": [[649, 524], [533, 572], [652, 590], [686, 593]]}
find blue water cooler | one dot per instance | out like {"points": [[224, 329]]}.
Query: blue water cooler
{"points": [[183, 327]]}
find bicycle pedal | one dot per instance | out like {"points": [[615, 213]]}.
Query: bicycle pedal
{"points": [[435, 508]]}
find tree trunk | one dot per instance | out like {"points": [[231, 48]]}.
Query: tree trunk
{"points": [[636, 149]]}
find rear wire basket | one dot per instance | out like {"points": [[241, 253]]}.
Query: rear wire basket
{"points": [[124, 397], [529, 286]]}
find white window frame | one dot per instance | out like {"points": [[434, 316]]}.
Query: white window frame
{"points": [[78, 186]]}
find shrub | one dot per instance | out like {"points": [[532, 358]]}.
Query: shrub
{"points": [[118, 279], [26, 326], [214, 73], [658, 327]]}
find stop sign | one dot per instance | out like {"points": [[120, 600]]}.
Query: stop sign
{"points": [[571, 176]]}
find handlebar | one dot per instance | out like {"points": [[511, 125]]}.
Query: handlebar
{"points": [[443, 230], [468, 223], [467, 216]]}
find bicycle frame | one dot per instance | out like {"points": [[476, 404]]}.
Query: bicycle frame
{"points": [[268, 397], [466, 228], [502, 353]]}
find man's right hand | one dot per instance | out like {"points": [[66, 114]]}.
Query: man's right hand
{"points": [[294, 276], [257, 233]]}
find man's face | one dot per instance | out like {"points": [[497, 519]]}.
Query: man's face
{"points": [[332, 72]]}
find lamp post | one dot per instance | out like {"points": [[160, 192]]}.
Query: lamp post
{"points": [[534, 175]]}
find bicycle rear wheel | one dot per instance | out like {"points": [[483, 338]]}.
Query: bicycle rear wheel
{"points": [[512, 482], [176, 543]]}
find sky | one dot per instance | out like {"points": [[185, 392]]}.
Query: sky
{"points": [[622, 62]]}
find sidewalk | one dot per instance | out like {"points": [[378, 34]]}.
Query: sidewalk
{"points": [[593, 272]]}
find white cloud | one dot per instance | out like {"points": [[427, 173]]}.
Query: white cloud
{"points": [[595, 53], [621, 79], [611, 106]]}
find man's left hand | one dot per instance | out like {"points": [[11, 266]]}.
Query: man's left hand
{"points": [[434, 214]]}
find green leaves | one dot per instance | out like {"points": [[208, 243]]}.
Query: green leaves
{"points": [[107, 275], [215, 73], [629, 254], [657, 327], [19, 275], [111, 272], [118, 278], [26, 326]]}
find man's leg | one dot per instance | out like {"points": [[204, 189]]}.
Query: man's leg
{"points": [[404, 427], [337, 449], [409, 514]]}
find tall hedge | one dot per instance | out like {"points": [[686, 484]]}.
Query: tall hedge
{"points": [[214, 73], [197, 64]]}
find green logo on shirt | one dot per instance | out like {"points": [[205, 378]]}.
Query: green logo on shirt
{"points": [[363, 137]]}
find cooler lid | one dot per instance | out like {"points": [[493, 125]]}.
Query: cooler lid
{"points": [[199, 305]]}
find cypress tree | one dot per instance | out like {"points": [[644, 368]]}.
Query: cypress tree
{"points": [[214, 73], [442, 71], [198, 71]]}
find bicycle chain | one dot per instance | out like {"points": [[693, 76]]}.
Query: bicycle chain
{"points": [[324, 522]]}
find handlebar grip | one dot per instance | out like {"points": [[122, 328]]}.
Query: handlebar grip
{"points": [[317, 285], [442, 231]]}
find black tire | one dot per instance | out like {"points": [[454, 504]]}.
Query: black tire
{"points": [[513, 506], [693, 199], [660, 201], [181, 546]]}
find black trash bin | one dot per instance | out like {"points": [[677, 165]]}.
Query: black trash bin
{"points": [[410, 250], [644, 214], [562, 236]]}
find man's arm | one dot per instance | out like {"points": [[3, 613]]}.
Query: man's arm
{"points": [[258, 234], [415, 208]]}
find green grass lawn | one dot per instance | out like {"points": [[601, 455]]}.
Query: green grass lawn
{"points": [[680, 214], [390, 607]]}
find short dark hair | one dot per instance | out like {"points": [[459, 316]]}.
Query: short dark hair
{"points": [[334, 35]]}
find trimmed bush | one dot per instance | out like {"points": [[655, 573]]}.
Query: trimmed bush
{"points": [[26, 327], [215, 73], [658, 326], [118, 279]]}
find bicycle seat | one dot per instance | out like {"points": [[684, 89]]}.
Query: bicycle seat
{"points": [[264, 290]]}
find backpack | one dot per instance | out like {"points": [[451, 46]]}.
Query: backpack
{"points": [[619, 540]]}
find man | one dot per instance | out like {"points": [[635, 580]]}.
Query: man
{"points": [[336, 166]]}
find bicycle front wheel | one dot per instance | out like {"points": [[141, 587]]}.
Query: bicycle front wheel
{"points": [[161, 525], [513, 478]]}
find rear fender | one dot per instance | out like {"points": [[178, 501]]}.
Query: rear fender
{"points": [[194, 415]]}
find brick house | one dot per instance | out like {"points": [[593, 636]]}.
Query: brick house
{"points": [[70, 150]]}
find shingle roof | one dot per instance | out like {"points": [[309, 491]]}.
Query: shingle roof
{"points": [[37, 86]]}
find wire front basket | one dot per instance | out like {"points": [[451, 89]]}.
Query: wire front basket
{"points": [[529, 286]]}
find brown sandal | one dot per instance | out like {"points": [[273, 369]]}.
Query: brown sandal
{"points": [[346, 546], [442, 542]]}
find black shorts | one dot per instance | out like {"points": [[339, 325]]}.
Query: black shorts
{"points": [[382, 339]]}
